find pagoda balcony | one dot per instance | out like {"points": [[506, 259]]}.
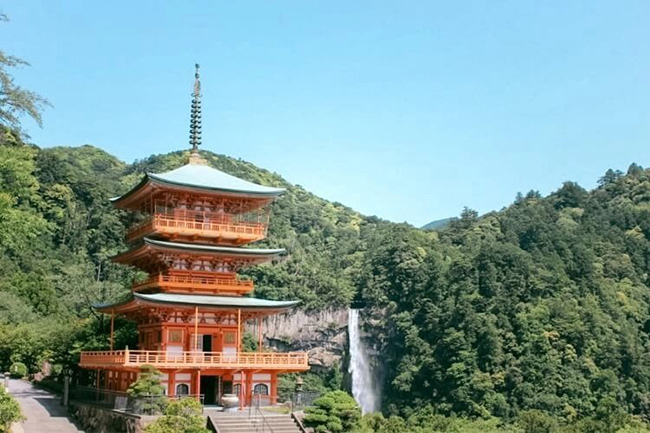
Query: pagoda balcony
{"points": [[195, 284], [133, 359], [198, 227]]}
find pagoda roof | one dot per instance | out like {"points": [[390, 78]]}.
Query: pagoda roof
{"points": [[201, 178], [214, 248], [257, 255], [210, 302]]}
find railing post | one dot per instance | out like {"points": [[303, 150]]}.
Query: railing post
{"points": [[126, 355]]}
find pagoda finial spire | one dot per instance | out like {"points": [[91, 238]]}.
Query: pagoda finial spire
{"points": [[195, 117]]}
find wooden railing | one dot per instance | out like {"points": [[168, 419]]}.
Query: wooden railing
{"points": [[194, 282], [195, 227], [294, 361]]}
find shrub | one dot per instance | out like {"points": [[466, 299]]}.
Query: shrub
{"points": [[18, 370], [182, 416], [394, 424], [372, 422], [334, 412], [9, 410], [148, 391], [536, 421]]}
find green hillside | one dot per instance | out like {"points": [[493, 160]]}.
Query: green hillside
{"points": [[539, 310], [542, 306], [437, 224]]}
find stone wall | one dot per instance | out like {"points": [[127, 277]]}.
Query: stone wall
{"points": [[323, 335], [101, 420]]}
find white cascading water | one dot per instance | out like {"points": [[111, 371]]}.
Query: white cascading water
{"points": [[364, 389]]}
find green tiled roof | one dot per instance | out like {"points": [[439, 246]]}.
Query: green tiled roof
{"points": [[215, 249], [205, 301], [220, 301], [206, 177]]}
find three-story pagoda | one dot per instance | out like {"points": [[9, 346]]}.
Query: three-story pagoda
{"points": [[191, 310]]}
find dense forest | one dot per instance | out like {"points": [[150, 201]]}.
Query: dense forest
{"points": [[543, 306]]}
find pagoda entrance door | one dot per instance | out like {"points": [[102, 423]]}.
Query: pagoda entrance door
{"points": [[209, 389]]}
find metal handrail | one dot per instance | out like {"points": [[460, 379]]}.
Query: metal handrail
{"points": [[301, 427], [258, 411]]}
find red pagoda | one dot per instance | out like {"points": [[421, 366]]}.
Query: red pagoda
{"points": [[192, 309]]}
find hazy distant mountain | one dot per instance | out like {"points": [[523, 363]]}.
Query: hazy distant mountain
{"points": [[437, 224]]}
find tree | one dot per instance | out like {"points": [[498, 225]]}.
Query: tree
{"points": [[334, 412], [14, 100], [536, 421], [18, 370], [148, 391], [182, 416], [9, 410]]}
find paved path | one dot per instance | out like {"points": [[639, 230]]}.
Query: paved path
{"points": [[42, 409]]}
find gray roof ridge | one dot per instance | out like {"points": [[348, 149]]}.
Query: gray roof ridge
{"points": [[216, 248], [233, 300], [247, 186], [206, 300], [237, 185]]}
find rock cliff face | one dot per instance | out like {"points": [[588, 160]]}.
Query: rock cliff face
{"points": [[323, 335]]}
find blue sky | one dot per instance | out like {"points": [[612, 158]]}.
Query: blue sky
{"points": [[406, 110]]}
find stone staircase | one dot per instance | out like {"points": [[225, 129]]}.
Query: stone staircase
{"points": [[242, 423]]}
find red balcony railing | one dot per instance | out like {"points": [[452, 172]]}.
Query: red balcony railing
{"points": [[199, 226], [195, 284], [294, 361]]}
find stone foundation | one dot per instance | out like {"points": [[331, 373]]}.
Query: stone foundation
{"points": [[101, 420]]}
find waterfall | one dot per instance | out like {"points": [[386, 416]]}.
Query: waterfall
{"points": [[364, 388]]}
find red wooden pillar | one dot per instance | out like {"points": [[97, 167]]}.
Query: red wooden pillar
{"points": [[274, 387], [239, 330], [197, 385], [249, 387], [196, 329], [171, 383], [242, 393], [259, 334]]}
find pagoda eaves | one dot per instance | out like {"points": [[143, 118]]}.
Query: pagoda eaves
{"points": [[199, 179], [210, 302]]}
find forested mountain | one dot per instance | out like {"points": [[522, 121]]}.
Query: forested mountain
{"points": [[437, 224], [58, 232], [542, 306]]}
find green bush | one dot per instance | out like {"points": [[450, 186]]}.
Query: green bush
{"points": [[148, 391], [372, 422], [334, 412], [9, 410], [536, 421], [18, 370], [182, 416]]}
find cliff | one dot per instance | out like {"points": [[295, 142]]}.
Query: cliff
{"points": [[322, 334]]}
